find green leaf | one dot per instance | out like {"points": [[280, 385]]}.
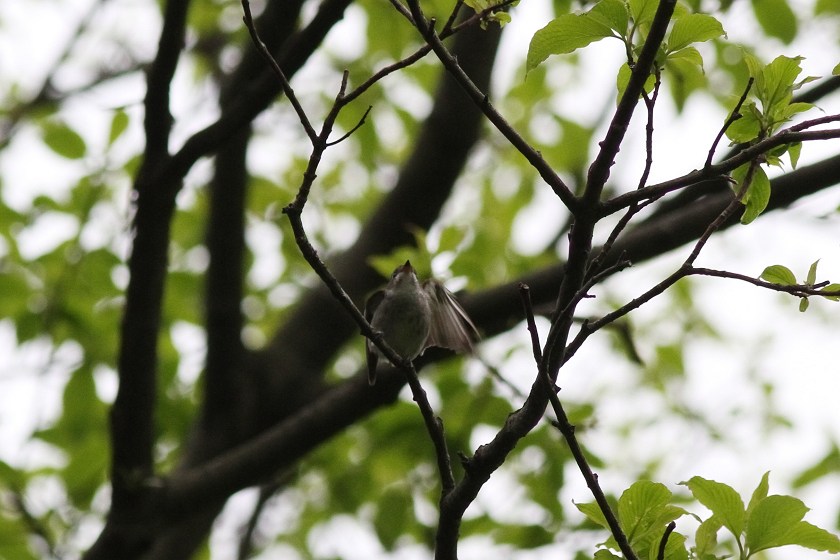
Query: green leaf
{"points": [[826, 7], [771, 520], [774, 84], [776, 18], [604, 554], [593, 512], [623, 79], [640, 499], [15, 539], [613, 14], [566, 34], [836, 70], [794, 109], [803, 305], [832, 288], [63, 140], [705, 539], [722, 500], [793, 153], [451, 237], [811, 536], [757, 196], [523, 536], [86, 470], [693, 28], [394, 512], [779, 274], [760, 491], [642, 11], [119, 123], [829, 464], [812, 273], [674, 549], [748, 126], [688, 54], [644, 510]]}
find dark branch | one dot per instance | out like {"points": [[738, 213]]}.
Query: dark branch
{"points": [[482, 101], [568, 431], [284, 82], [158, 120], [787, 136], [733, 116], [132, 423]]}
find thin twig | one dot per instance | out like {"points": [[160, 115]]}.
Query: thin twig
{"points": [[781, 138], [267, 491], [284, 82], [812, 123], [663, 542], [733, 116], [352, 130], [452, 17], [650, 103], [482, 101], [799, 290], [294, 212], [477, 17], [434, 426], [403, 11], [686, 269], [568, 431], [633, 209]]}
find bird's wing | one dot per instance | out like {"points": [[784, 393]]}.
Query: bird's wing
{"points": [[451, 326], [370, 349]]}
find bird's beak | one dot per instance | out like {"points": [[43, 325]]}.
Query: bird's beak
{"points": [[406, 267]]}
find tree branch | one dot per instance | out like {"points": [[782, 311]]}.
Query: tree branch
{"points": [[733, 116], [320, 142], [787, 136], [256, 96], [568, 431], [798, 290], [132, 422], [158, 120], [425, 183], [482, 101]]}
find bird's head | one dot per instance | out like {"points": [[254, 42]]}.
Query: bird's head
{"points": [[404, 275]]}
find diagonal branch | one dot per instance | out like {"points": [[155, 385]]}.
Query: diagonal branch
{"points": [[568, 432], [320, 142], [257, 95], [426, 181], [284, 82], [482, 101], [788, 136]]}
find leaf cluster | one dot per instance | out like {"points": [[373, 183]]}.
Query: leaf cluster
{"points": [[768, 521]]}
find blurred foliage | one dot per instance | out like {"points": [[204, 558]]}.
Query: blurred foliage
{"points": [[64, 237]]}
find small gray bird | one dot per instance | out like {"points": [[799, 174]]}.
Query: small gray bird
{"points": [[413, 316]]}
